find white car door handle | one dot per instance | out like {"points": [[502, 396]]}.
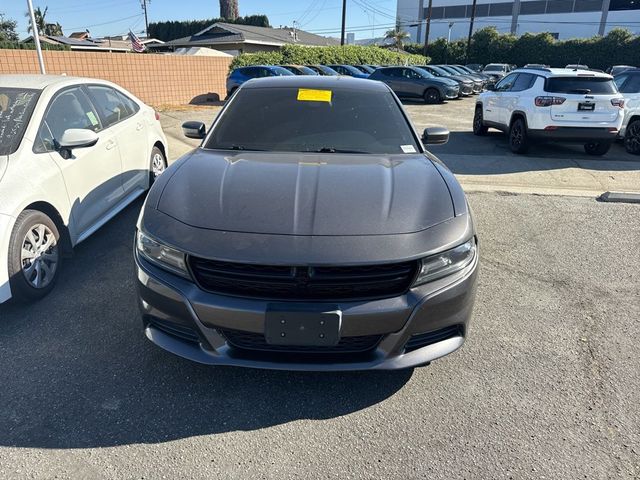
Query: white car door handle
{"points": [[139, 126], [110, 144]]}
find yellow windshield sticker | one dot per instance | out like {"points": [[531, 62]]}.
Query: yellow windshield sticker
{"points": [[92, 118], [309, 95]]}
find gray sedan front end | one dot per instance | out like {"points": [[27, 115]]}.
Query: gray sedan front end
{"points": [[307, 260]]}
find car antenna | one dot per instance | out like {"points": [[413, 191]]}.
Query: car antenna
{"points": [[577, 64]]}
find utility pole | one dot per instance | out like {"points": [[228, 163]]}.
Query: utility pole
{"points": [[36, 36], [143, 3], [426, 33], [473, 17], [344, 20], [446, 52]]}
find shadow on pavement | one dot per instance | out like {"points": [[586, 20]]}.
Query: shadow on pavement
{"points": [[77, 372], [468, 154]]}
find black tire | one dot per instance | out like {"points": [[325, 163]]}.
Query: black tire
{"points": [[432, 95], [22, 288], [632, 138], [597, 148], [157, 164], [518, 137], [478, 123]]}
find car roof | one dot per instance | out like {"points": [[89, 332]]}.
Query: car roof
{"points": [[40, 82], [315, 81], [563, 72]]}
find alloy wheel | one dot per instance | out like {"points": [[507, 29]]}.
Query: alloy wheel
{"points": [[157, 165], [39, 256], [632, 138]]}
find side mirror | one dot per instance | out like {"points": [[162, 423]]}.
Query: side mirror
{"points": [[77, 138], [491, 87], [435, 136], [194, 130]]}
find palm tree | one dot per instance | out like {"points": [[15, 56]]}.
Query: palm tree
{"points": [[397, 35], [44, 28]]}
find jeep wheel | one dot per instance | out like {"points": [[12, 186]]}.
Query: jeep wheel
{"points": [[478, 123], [597, 148], [518, 138], [632, 138]]}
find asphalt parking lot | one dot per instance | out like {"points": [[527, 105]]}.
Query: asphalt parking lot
{"points": [[545, 387]]}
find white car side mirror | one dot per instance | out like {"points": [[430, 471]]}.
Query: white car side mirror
{"points": [[77, 138]]}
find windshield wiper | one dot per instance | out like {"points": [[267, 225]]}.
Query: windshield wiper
{"points": [[337, 150], [241, 147]]}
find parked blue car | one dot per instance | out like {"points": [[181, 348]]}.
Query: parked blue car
{"points": [[242, 74], [349, 70], [323, 70]]}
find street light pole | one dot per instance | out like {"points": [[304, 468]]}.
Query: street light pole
{"points": [[426, 33], [473, 17], [344, 20], [446, 58], [36, 37], [146, 19]]}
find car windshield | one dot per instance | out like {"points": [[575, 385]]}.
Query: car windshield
{"points": [[327, 120], [280, 71], [16, 107], [579, 85], [424, 73], [449, 70], [438, 71], [494, 68]]}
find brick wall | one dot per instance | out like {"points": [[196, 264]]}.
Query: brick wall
{"points": [[155, 79]]}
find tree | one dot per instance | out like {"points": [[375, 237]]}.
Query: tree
{"points": [[8, 31], [397, 35], [44, 28], [229, 9]]}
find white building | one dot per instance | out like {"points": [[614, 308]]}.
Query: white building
{"points": [[563, 18]]}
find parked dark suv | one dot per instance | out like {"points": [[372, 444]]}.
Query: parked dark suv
{"points": [[414, 82]]}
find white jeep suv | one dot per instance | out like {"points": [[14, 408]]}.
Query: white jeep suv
{"points": [[628, 82], [576, 106]]}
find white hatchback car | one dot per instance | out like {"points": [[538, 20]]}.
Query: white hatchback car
{"points": [[73, 153], [554, 104]]}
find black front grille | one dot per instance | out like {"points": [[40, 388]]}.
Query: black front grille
{"points": [[256, 341], [303, 283], [423, 339]]}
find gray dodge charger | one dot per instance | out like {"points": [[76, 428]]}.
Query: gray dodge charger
{"points": [[311, 230]]}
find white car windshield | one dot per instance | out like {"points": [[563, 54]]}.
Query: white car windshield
{"points": [[16, 107]]}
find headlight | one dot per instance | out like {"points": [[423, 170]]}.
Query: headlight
{"points": [[446, 263], [161, 255]]}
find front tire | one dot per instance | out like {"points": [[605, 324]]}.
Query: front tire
{"points": [[597, 148], [478, 123], [518, 137], [432, 95], [158, 164], [632, 138], [35, 256]]}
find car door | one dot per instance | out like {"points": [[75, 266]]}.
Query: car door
{"points": [[394, 78], [630, 89], [509, 99], [494, 110], [91, 175], [121, 116], [413, 82]]}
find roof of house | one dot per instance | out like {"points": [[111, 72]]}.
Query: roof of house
{"points": [[79, 44], [80, 35], [224, 33]]}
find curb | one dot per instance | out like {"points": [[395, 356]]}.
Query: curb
{"points": [[620, 197]]}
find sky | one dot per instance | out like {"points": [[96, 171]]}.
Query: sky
{"points": [[366, 18]]}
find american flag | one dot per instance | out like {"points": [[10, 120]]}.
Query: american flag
{"points": [[136, 44]]}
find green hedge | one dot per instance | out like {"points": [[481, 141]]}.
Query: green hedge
{"points": [[31, 46], [173, 29], [618, 47], [348, 54]]}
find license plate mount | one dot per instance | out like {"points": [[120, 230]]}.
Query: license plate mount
{"points": [[586, 107], [302, 325]]}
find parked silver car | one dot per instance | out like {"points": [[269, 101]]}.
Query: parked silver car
{"points": [[311, 230]]}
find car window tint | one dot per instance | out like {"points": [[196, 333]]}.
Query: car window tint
{"points": [[619, 80], [523, 82], [506, 83], [273, 119], [71, 108], [579, 85], [131, 106], [16, 108], [632, 85], [110, 105]]}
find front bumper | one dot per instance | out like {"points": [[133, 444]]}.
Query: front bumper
{"points": [[189, 322], [451, 93], [575, 134]]}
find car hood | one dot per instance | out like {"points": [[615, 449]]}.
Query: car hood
{"points": [[307, 194], [461, 78]]}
